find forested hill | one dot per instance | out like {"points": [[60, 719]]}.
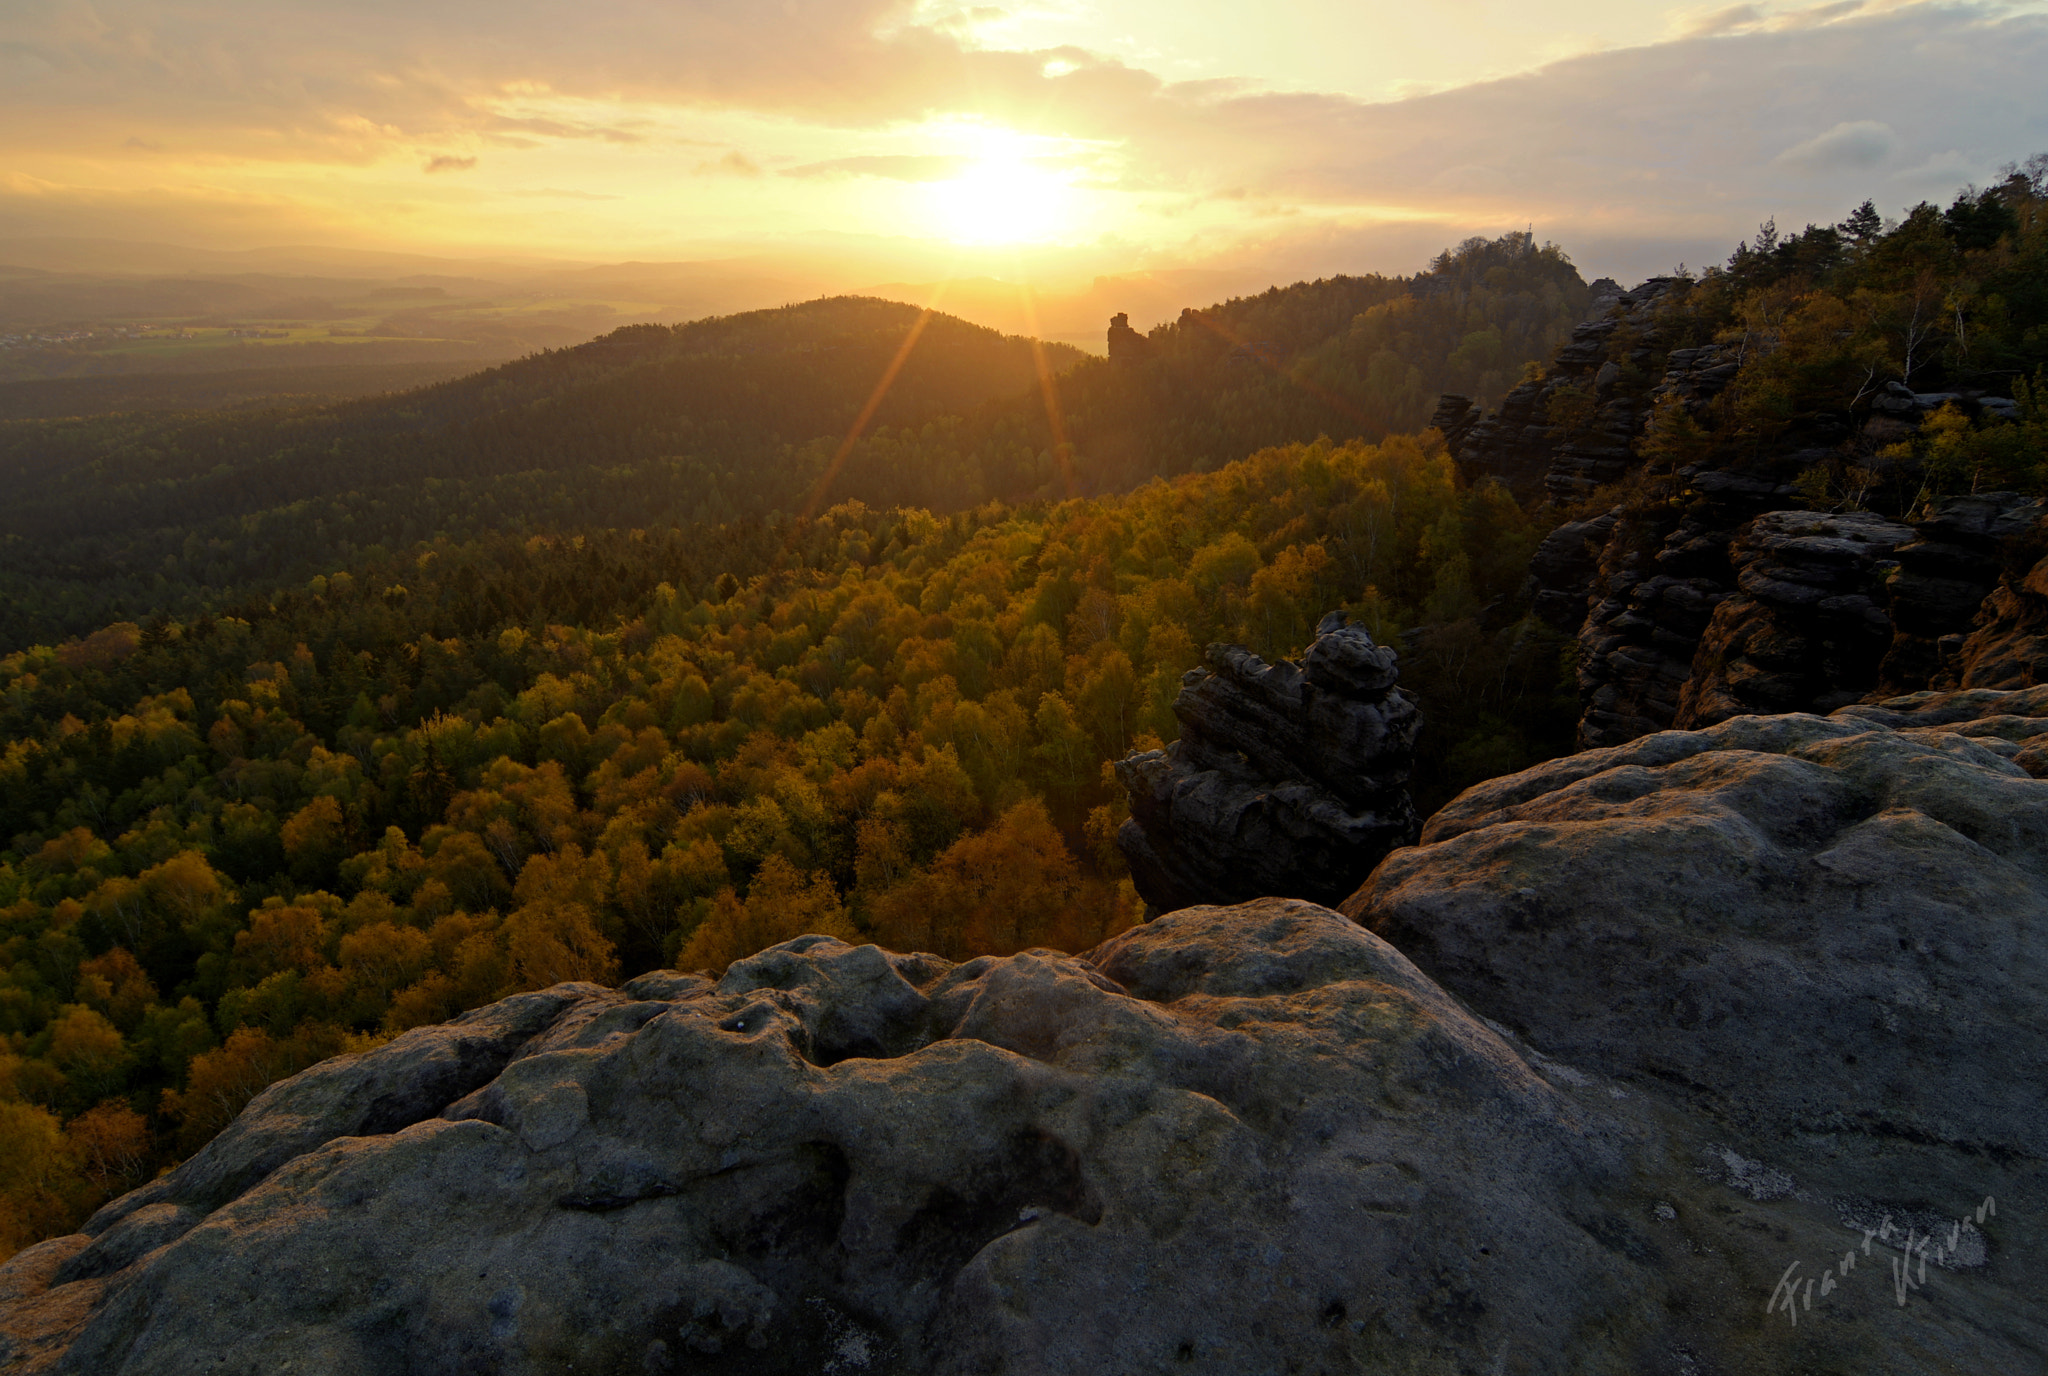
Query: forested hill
{"points": [[116, 515], [1343, 357]]}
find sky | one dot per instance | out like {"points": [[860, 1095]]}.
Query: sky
{"points": [[1050, 139]]}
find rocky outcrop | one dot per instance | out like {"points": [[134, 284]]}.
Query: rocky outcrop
{"points": [[1653, 593], [2008, 646], [1564, 435], [1454, 418], [1817, 941], [1126, 345], [1897, 399], [1653, 587], [1729, 1012], [1233, 1140], [1562, 571], [1941, 582], [1804, 629], [2008, 722], [1287, 779]]}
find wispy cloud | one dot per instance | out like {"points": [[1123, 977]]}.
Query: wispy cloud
{"points": [[448, 162], [890, 167], [1853, 145], [557, 193], [733, 164]]}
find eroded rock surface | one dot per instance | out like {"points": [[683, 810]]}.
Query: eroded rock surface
{"points": [[2007, 647], [1599, 375], [1805, 629], [1234, 1140], [1820, 937], [1942, 580], [1288, 779]]}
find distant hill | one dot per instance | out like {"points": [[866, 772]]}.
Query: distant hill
{"points": [[712, 421], [1345, 357], [743, 416]]}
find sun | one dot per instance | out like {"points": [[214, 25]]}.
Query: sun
{"points": [[1003, 196]]}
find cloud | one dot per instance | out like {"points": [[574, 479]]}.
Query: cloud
{"points": [[1680, 145], [897, 168], [1733, 19], [1853, 145], [1944, 171], [448, 162], [733, 164], [522, 129], [562, 194]]}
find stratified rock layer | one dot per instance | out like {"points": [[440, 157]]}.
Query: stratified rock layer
{"points": [[1941, 583], [1805, 630], [1288, 779], [2008, 645]]}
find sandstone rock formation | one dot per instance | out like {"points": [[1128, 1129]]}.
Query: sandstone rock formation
{"points": [[1942, 580], [1601, 368], [1652, 594], [2008, 647], [2009, 723], [1815, 942], [1126, 345], [1230, 1141], [1643, 582], [1562, 571], [1754, 999], [1804, 630], [1287, 779], [1454, 416]]}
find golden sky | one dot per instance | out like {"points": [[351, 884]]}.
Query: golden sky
{"points": [[1063, 137]]}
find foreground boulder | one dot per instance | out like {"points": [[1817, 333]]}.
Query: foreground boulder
{"points": [[1234, 1140], [1821, 945], [1288, 779]]}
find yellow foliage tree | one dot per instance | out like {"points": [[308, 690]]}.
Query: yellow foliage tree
{"points": [[279, 939], [993, 893], [314, 838], [554, 936], [39, 1181], [89, 1050], [781, 904]]}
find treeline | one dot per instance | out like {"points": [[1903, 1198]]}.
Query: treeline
{"points": [[114, 516], [244, 842], [1830, 323]]}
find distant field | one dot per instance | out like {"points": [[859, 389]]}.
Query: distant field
{"points": [[56, 326], [48, 398]]}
